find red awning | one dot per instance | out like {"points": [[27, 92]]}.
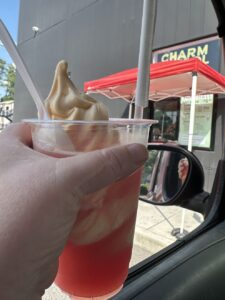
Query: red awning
{"points": [[168, 79]]}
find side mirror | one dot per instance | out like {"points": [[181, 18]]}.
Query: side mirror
{"points": [[173, 176]]}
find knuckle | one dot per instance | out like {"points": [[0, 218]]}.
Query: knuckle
{"points": [[114, 162]]}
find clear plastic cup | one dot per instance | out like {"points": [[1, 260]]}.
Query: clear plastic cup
{"points": [[95, 261]]}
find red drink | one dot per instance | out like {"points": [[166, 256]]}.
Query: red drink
{"points": [[96, 259]]}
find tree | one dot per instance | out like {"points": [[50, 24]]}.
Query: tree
{"points": [[2, 70], [7, 80], [10, 78]]}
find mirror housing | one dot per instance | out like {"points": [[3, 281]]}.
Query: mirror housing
{"points": [[190, 193]]}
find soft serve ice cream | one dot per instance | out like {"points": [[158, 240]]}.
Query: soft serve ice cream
{"points": [[66, 102], [96, 258]]}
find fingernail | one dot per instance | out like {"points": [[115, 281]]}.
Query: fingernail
{"points": [[138, 152]]}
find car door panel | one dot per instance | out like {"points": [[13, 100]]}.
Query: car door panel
{"points": [[195, 271]]}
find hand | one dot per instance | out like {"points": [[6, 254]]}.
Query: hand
{"points": [[183, 168], [40, 198]]}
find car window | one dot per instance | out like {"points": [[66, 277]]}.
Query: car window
{"points": [[159, 226]]}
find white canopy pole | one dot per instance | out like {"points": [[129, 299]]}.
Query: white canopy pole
{"points": [[145, 56], [130, 110], [192, 110], [191, 130]]}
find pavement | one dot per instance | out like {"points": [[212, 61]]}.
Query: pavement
{"points": [[155, 226]]}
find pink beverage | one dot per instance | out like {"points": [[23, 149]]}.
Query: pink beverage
{"points": [[96, 258], [95, 261]]}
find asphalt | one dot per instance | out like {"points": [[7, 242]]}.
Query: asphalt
{"points": [[155, 228]]}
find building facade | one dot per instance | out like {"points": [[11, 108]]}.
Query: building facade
{"points": [[101, 37], [6, 113]]}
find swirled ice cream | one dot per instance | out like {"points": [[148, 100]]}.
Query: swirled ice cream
{"points": [[66, 102]]}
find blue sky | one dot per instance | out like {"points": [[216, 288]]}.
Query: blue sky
{"points": [[9, 13]]}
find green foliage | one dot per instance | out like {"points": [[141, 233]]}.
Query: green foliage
{"points": [[144, 190], [148, 167], [147, 172], [2, 70], [7, 80]]}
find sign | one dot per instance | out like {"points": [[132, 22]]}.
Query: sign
{"points": [[202, 122], [208, 50]]}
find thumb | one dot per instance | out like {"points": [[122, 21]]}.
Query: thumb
{"points": [[88, 172]]}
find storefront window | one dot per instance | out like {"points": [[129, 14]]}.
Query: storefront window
{"points": [[167, 113], [202, 136]]}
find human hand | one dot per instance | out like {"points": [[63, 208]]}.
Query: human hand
{"points": [[40, 198], [183, 168]]}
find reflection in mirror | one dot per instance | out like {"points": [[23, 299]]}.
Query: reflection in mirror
{"points": [[164, 174]]}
